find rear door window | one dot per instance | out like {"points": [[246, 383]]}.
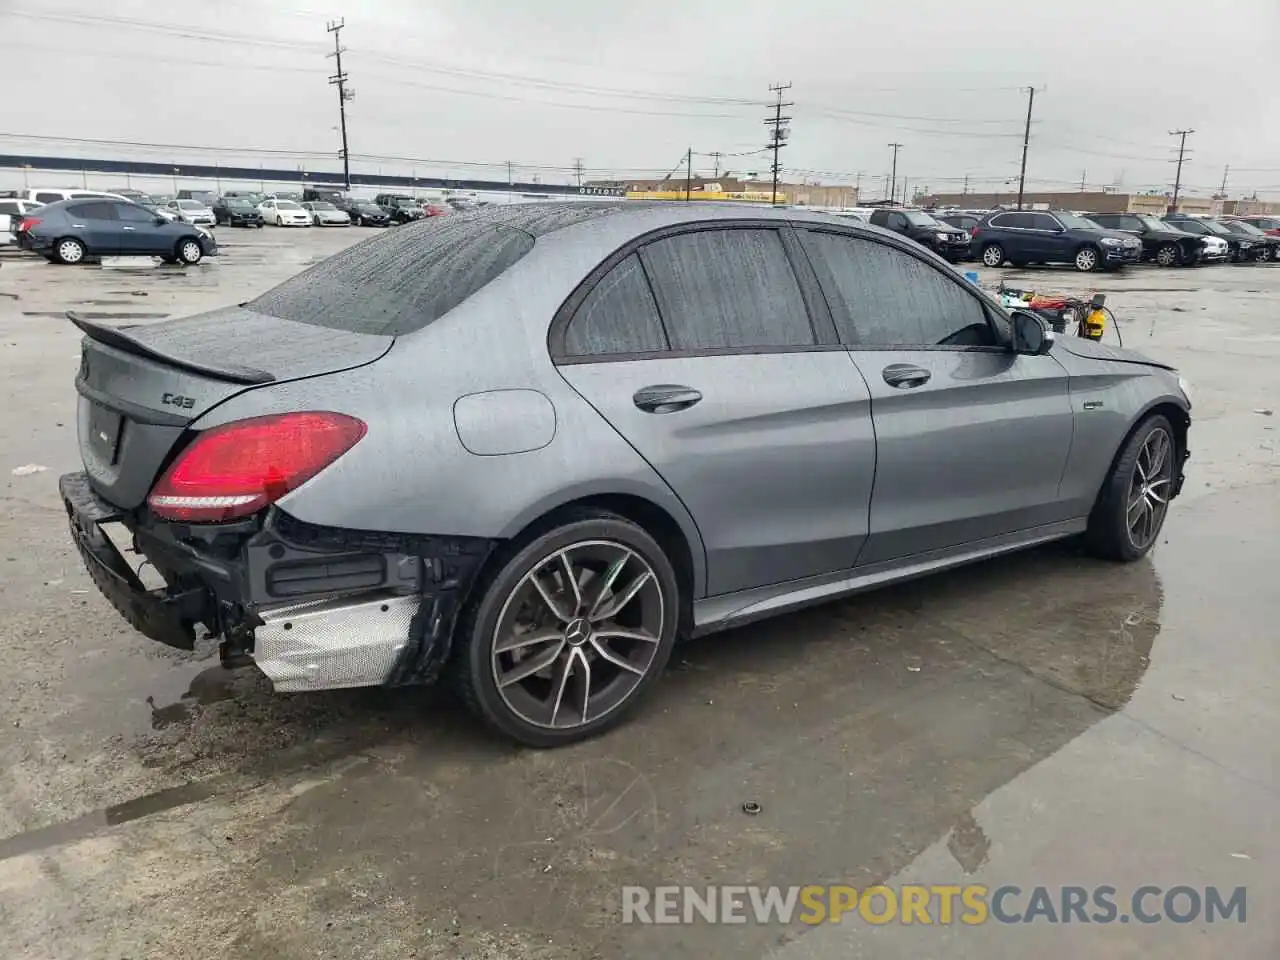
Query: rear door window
{"points": [[93, 210], [10, 207], [401, 280], [48, 197], [883, 297], [618, 316], [731, 289]]}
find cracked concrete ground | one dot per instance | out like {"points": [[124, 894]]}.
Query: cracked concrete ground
{"points": [[1043, 719]]}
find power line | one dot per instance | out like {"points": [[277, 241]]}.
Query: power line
{"points": [[778, 137]]}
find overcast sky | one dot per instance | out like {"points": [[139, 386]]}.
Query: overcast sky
{"points": [[452, 85]]}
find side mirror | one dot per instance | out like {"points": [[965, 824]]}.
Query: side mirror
{"points": [[1030, 336], [160, 221]]}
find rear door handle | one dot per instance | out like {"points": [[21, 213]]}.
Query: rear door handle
{"points": [[904, 376], [126, 228], [665, 398]]}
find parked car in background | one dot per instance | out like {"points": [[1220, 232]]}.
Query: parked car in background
{"points": [[205, 197], [400, 207], [236, 212], [1268, 224], [192, 211], [1022, 237], [284, 213], [706, 438], [365, 213], [253, 196], [942, 238], [1217, 249], [137, 196], [54, 194], [964, 221], [1239, 248], [73, 231], [435, 209], [1162, 242], [1266, 249], [331, 195], [325, 214]]}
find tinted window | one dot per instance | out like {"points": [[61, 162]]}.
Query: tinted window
{"points": [[10, 207], [400, 280], [1041, 221], [726, 289], [1022, 220], [93, 210], [618, 316], [134, 214], [48, 197], [883, 297]]}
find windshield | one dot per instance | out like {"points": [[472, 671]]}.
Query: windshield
{"points": [[1245, 229], [369, 208], [190, 205], [1072, 222], [1190, 226], [401, 202], [237, 202], [287, 205], [1151, 223], [321, 205], [1217, 228], [917, 219]]}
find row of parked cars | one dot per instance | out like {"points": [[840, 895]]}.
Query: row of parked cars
{"points": [[1088, 241], [311, 208]]}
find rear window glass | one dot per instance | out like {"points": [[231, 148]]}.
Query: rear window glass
{"points": [[399, 282]]}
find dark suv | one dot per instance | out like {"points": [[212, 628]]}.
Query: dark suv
{"points": [[942, 238], [1051, 236], [1162, 243], [400, 207], [236, 212]]}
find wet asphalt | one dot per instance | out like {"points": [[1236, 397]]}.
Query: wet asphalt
{"points": [[1039, 720]]}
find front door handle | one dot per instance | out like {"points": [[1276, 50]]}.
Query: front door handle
{"points": [[904, 376], [130, 229], [665, 398]]}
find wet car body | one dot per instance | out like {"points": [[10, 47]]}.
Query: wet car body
{"points": [[522, 428], [1162, 242]]}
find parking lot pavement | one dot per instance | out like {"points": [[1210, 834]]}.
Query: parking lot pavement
{"points": [[1043, 719]]}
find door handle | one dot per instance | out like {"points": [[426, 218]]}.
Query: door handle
{"points": [[126, 228], [665, 398], [904, 376]]}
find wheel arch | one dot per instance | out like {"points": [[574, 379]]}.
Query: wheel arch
{"points": [[1177, 415]]}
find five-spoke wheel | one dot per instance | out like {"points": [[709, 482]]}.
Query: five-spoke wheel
{"points": [[1131, 508]]}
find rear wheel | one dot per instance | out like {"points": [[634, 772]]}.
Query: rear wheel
{"points": [[1266, 255], [1133, 503], [992, 255], [69, 250], [1168, 255], [570, 630], [1087, 259]]}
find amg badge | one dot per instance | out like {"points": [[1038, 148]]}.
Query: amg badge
{"points": [[177, 400]]}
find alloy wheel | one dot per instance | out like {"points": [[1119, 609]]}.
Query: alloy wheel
{"points": [[70, 251], [992, 256], [1086, 259], [1167, 256], [191, 252], [578, 634], [1149, 489]]}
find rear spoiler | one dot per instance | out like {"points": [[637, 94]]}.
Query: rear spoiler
{"points": [[121, 339]]}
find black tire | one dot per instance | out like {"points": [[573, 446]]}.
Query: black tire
{"points": [[1088, 259], [471, 666], [63, 251], [992, 255], [188, 251], [1168, 255], [1266, 255], [1108, 535]]}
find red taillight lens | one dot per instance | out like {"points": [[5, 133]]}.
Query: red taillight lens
{"points": [[238, 468], [27, 223], [974, 232]]}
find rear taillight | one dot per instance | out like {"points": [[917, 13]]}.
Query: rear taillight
{"points": [[238, 468], [28, 223], [974, 232]]}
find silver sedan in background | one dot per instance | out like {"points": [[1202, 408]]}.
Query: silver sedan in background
{"points": [[527, 447], [325, 214]]}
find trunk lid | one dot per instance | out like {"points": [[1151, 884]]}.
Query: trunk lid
{"points": [[141, 386]]}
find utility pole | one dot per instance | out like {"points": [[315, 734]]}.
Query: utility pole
{"points": [[578, 169], [1026, 142], [905, 200], [857, 187], [1223, 190], [339, 80], [778, 138], [1182, 152], [715, 156], [1083, 174], [964, 191], [893, 175], [688, 174]]}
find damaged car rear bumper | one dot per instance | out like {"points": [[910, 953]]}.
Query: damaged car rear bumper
{"points": [[314, 607]]}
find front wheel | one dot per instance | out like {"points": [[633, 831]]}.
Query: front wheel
{"points": [[569, 632], [992, 255], [1087, 259], [1266, 255], [189, 251], [1168, 255], [1133, 503]]}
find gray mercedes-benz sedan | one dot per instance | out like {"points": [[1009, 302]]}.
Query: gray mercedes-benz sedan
{"points": [[528, 447]]}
